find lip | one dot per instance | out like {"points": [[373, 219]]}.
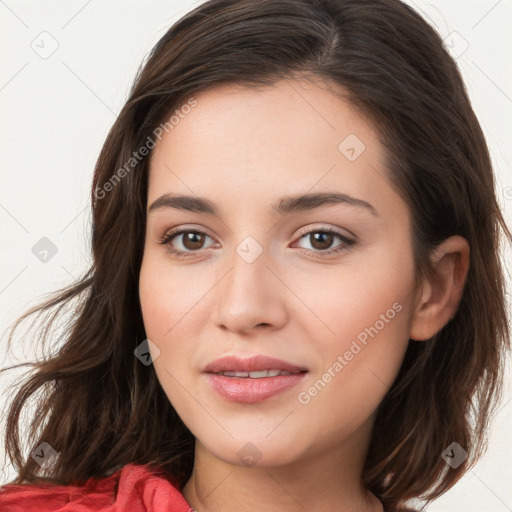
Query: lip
{"points": [[250, 364], [251, 390]]}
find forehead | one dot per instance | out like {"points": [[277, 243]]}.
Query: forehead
{"points": [[290, 118], [255, 145]]}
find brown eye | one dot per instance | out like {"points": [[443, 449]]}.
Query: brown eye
{"points": [[193, 240], [184, 242], [321, 240]]}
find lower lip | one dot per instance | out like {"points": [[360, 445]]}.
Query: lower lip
{"points": [[249, 390]]}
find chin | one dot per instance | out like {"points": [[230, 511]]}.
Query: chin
{"points": [[257, 451]]}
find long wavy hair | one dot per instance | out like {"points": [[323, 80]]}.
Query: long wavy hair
{"points": [[100, 408]]}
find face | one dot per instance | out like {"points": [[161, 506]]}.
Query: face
{"points": [[326, 287]]}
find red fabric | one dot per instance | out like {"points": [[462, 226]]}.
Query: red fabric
{"points": [[132, 488]]}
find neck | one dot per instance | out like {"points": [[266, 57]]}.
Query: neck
{"points": [[324, 481]]}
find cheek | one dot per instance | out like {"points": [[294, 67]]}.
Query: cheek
{"points": [[164, 306], [358, 296], [365, 320], [357, 366], [175, 307], [168, 296]]}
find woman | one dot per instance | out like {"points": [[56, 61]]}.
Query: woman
{"points": [[296, 295]]}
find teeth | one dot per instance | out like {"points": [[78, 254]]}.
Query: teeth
{"points": [[255, 375], [258, 375]]}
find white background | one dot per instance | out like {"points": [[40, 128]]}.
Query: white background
{"points": [[56, 112]]}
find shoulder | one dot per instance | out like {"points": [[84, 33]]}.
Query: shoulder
{"points": [[131, 488]]}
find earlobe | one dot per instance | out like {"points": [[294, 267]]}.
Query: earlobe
{"points": [[442, 294]]}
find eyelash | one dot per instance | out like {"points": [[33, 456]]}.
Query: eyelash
{"points": [[167, 237]]}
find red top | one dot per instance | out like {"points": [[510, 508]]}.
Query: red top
{"points": [[133, 488]]}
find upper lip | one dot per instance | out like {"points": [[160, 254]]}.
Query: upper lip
{"points": [[250, 364]]}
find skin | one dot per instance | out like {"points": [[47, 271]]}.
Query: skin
{"points": [[244, 149]]}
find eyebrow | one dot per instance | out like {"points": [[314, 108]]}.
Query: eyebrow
{"points": [[287, 204]]}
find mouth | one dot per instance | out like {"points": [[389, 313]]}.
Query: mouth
{"points": [[253, 379]]}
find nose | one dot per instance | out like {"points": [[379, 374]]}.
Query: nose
{"points": [[251, 295]]}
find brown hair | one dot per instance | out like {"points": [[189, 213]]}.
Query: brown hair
{"points": [[395, 70]]}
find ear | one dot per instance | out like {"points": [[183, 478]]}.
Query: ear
{"points": [[441, 295]]}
